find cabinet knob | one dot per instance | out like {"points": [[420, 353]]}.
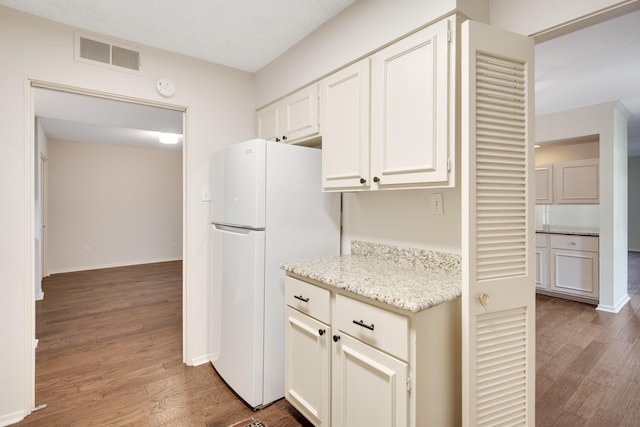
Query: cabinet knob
{"points": [[321, 332], [484, 299], [284, 137], [336, 338], [363, 181], [277, 139], [376, 179]]}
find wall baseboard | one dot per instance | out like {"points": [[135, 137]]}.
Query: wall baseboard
{"points": [[200, 360], [13, 418], [113, 265]]}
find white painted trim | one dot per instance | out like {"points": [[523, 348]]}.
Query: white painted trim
{"points": [[13, 418], [615, 309], [200, 360], [39, 296], [30, 251], [112, 265]]}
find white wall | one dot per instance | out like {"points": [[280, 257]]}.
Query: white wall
{"points": [[634, 203], [112, 205], [220, 110], [609, 121]]}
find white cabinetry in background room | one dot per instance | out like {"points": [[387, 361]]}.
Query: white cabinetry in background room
{"points": [[408, 106], [293, 119], [574, 265], [544, 184], [571, 182], [542, 261], [372, 376], [577, 182]]}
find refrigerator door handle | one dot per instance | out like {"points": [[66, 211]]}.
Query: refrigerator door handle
{"points": [[236, 230]]}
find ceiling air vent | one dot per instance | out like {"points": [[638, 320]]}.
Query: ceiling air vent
{"points": [[93, 50]]}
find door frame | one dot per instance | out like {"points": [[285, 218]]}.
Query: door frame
{"points": [[30, 258]]}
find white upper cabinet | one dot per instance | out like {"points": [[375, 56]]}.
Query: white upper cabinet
{"points": [[292, 119], [570, 182], [393, 129], [410, 109], [344, 113], [577, 182], [544, 184]]}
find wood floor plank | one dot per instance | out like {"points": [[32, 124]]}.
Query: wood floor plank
{"points": [[110, 354]]}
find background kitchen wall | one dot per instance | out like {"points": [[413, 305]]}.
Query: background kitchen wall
{"points": [[112, 205]]}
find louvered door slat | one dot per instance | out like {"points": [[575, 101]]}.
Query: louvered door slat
{"points": [[498, 346]]}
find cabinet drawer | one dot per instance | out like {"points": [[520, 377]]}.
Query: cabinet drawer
{"points": [[383, 329], [575, 243], [541, 240], [308, 298]]}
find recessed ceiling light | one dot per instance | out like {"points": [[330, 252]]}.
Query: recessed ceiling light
{"points": [[169, 138]]}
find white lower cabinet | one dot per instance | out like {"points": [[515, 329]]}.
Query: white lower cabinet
{"points": [[369, 386], [568, 266], [542, 261], [349, 363], [307, 352], [574, 265]]}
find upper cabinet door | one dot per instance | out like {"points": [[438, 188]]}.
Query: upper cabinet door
{"points": [[344, 113], [292, 119], [269, 122], [410, 109], [301, 114], [544, 184], [577, 182]]}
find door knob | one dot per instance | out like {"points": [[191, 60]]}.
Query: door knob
{"points": [[484, 299]]}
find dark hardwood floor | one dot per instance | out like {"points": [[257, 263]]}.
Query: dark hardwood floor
{"points": [[110, 355], [588, 361]]}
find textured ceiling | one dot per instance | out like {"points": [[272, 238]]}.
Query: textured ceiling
{"points": [[244, 34]]}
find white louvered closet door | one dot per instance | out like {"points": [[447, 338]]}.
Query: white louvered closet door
{"points": [[498, 294]]}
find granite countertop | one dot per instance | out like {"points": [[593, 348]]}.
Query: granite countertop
{"points": [[573, 231], [409, 279]]}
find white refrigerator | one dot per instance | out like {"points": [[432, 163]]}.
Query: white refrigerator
{"points": [[267, 208]]}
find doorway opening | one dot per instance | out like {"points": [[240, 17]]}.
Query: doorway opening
{"points": [[79, 137]]}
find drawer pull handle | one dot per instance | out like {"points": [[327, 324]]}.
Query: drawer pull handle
{"points": [[321, 332], [364, 325], [301, 298]]}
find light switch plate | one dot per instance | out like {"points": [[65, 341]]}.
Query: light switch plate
{"points": [[205, 196], [437, 207]]}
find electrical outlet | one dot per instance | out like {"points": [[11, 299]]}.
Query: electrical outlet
{"points": [[437, 207]]}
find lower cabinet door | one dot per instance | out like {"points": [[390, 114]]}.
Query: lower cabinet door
{"points": [[369, 388], [308, 366], [575, 272]]}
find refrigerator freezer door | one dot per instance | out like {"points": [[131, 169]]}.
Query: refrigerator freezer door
{"points": [[238, 310], [238, 185]]}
